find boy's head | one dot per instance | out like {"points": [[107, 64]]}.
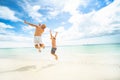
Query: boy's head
{"points": [[53, 37]]}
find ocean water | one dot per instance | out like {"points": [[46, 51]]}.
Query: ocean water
{"points": [[107, 49], [61, 51], [76, 49], [92, 49]]}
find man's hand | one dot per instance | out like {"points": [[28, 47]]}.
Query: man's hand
{"points": [[25, 21]]}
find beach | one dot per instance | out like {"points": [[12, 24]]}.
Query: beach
{"points": [[70, 66], [83, 34]]}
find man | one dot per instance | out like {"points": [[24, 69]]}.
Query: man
{"points": [[39, 29], [54, 47]]}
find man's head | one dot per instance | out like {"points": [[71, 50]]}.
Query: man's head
{"points": [[39, 24], [43, 26]]}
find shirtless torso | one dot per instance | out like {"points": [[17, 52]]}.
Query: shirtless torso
{"points": [[38, 31]]}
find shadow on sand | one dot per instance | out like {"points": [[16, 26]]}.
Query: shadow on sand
{"points": [[28, 68]]}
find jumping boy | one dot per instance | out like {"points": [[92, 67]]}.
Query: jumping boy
{"points": [[54, 47]]}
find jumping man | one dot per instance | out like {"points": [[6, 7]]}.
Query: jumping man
{"points": [[39, 29]]}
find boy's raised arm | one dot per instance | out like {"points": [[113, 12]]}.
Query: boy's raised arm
{"points": [[50, 34], [56, 34]]}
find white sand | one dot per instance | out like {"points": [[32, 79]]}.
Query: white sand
{"points": [[84, 67]]}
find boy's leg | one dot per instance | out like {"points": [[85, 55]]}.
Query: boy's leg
{"points": [[53, 50], [56, 57]]}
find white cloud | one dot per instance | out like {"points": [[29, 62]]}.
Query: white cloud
{"points": [[107, 16], [32, 10], [97, 23], [60, 29], [53, 14], [7, 44], [53, 8], [2, 25], [8, 34], [16, 38], [71, 6], [8, 14], [36, 7], [11, 40], [68, 6], [107, 2], [27, 28], [6, 29], [8, 37]]}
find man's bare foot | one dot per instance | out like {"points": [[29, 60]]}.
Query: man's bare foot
{"points": [[43, 47], [39, 50]]}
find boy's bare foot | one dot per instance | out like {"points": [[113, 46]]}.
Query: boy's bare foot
{"points": [[56, 57]]}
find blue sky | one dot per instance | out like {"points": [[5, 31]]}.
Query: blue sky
{"points": [[77, 21]]}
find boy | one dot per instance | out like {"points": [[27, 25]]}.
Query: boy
{"points": [[54, 47], [39, 29]]}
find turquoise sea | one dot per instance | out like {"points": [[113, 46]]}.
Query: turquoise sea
{"points": [[61, 50]]}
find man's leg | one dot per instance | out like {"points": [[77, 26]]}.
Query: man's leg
{"points": [[42, 45], [37, 47]]}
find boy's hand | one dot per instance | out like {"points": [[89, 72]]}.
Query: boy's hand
{"points": [[50, 30]]}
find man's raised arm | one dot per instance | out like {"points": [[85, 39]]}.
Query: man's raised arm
{"points": [[30, 23]]}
